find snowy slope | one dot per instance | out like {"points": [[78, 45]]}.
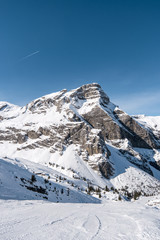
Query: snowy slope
{"points": [[128, 177], [112, 221], [16, 183]]}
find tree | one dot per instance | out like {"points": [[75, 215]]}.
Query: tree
{"points": [[136, 195], [91, 188], [106, 189], [68, 192], [119, 198], [98, 190], [46, 181], [33, 178]]}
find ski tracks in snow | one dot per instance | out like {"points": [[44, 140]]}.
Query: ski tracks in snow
{"points": [[85, 226], [61, 219], [21, 220], [88, 228], [99, 228]]}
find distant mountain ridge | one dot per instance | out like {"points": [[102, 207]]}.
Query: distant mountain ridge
{"points": [[83, 131]]}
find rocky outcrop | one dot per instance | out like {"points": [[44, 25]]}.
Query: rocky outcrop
{"points": [[21, 138], [121, 126], [106, 169], [139, 136], [99, 119], [90, 91], [32, 134]]}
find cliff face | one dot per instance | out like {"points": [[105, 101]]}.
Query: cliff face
{"points": [[83, 117]]}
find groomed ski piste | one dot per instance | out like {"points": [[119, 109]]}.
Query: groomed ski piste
{"points": [[39, 220]]}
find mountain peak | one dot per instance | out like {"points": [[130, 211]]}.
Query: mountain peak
{"points": [[90, 91]]}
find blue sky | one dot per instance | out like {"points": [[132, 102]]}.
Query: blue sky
{"points": [[49, 45]]}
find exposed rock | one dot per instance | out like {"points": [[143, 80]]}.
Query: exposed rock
{"points": [[44, 131], [21, 138], [142, 137], [106, 169], [32, 134], [90, 91], [123, 126], [139, 160], [3, 106]]}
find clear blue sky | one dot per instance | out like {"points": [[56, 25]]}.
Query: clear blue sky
{"points": [[49, 45]]}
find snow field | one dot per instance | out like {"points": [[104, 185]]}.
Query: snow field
{"points": [[39, 220]]}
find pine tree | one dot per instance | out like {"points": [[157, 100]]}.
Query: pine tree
{"points": [[33, 178]]}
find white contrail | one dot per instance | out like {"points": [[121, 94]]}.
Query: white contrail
{"points": [[30, 55]]}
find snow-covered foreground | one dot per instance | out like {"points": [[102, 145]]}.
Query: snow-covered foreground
{"points": [[37, 220]]}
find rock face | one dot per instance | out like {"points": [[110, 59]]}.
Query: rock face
{"points": [[142, 137], [84, 117], [32, 134], [121, 126]]}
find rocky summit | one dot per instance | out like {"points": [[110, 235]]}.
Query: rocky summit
{"points": [[81, 135]]}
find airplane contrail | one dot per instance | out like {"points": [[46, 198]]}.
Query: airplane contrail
{"points": [[30, 55]]}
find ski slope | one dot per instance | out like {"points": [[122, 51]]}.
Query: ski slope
{"points": [[41, 220]]}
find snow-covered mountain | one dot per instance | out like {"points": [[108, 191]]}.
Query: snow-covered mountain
{"points": [[77, 146]]}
